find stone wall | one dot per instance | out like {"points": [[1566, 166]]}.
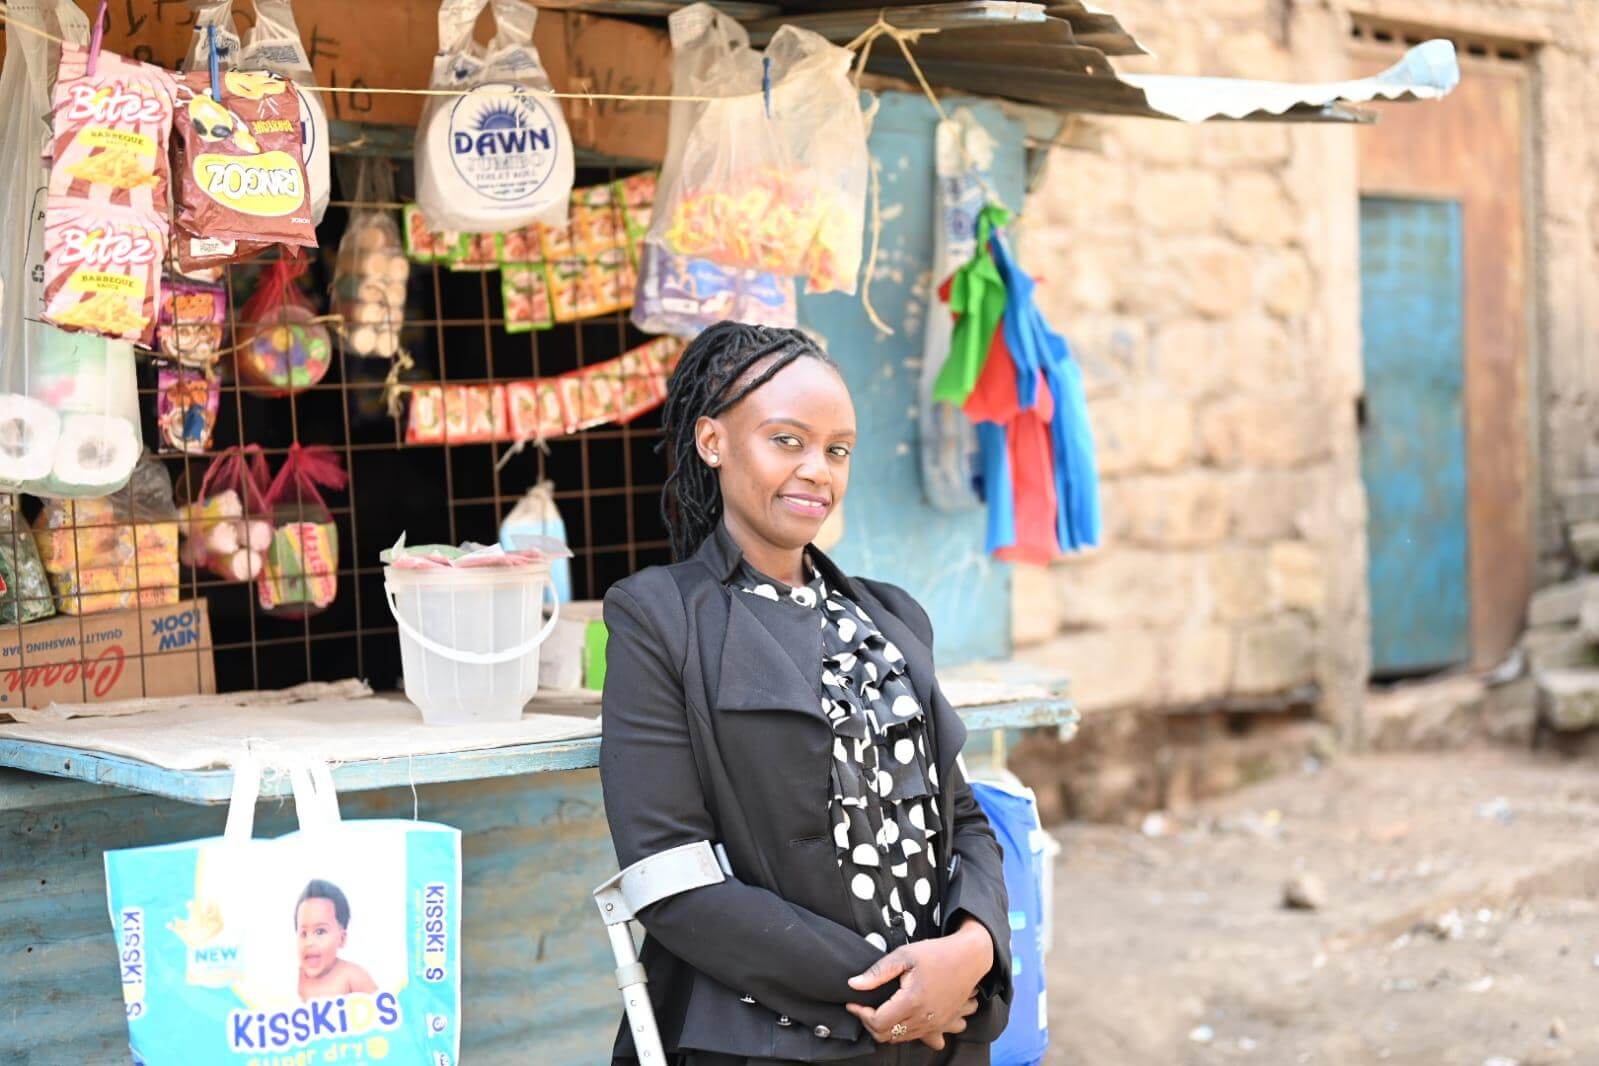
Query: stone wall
{"points": [[1208, 279]]}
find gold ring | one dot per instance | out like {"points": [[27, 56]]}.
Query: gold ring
{"points": [[898, 1031]]}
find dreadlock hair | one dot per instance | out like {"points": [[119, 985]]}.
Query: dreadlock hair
{"points": [[709, 380]]}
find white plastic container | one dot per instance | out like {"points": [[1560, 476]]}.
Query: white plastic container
{"points": [[469, 638]]}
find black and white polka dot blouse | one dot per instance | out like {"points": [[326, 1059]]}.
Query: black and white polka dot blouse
{"points": [[884, 808]]}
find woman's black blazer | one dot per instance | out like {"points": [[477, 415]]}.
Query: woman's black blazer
{"points": [[713, 729]]}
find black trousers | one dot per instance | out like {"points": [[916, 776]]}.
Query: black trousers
{"points": [[915, 1053]]}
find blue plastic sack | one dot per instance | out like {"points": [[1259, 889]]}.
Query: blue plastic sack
{"points": [[337, 943], [1014, 816]]}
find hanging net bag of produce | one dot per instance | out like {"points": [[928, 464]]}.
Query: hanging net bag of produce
{"points": [[226, 527], [284, 348], [371, 271], [498, 156], [764, 180], [299, 576]]}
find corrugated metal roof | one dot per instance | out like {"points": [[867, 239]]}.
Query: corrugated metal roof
{"points": [[1058, 55]]}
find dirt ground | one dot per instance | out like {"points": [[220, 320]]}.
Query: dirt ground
{"points": [[1459, 921]]}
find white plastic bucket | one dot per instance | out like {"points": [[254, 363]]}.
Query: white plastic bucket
{"points": [[469, 638]]}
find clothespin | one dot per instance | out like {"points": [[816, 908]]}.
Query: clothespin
{"points": [[766, 83], [216, 68], [95, 37]]}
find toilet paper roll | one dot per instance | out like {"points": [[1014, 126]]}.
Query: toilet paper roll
{"points": [[95, 451], [29, 431]]}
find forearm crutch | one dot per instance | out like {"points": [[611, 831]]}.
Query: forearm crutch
{"points": [[620, 899]]}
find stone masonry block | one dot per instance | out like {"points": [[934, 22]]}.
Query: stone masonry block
{"points": [[1199, 664], [1274, 655], [1120, 586], [1240, 584], [1035, 609], [1172, 201], [1108, 668], [1569, 699], [1169, 510], [1220, 281], [1561, 604], [1257, 210], [1296, 576]]}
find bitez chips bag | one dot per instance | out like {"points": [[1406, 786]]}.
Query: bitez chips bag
{"points": [[105, 231], [238, 162]]}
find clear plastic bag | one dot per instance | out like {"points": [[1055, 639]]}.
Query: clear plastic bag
{"points": [[69, 416], [778, 188], [116, 551], [371, 270], [273, 43], [499, 156]]}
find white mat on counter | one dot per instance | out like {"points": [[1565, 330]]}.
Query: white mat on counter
{"points": [[210, 732]]}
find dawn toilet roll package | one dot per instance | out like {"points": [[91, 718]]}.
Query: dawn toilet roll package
{"points": [[337, 943], [499, 156]]}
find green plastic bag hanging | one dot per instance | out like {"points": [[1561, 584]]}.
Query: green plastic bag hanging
{"points": [[977, 296]]}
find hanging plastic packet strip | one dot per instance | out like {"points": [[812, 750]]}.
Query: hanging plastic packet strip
{"points": [[238, 164]]}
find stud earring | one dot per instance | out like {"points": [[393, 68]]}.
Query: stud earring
{"points": [[716, 457]]}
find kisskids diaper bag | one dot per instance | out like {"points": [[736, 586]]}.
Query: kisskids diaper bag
{"points": [[336, 943]]}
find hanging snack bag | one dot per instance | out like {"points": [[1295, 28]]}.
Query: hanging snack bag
{"points": [[225, 528], [498, 156], [282, 347], [371, 271], [105, 232], [682, 295], [186, 408], [190, 328], [238, 165], [776, 185], [273, 44], [300, 574]]}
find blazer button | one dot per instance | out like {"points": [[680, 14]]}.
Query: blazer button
{"points": [[821, 1032], [782, 1019], [746, 999]]}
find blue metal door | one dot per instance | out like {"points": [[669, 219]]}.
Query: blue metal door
{"points": [[1413, 450]]}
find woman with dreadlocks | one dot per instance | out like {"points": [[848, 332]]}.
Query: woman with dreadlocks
{"points": [[758, 698]]}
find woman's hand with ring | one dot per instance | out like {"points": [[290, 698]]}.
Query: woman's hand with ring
{"points": [[936, 981]]}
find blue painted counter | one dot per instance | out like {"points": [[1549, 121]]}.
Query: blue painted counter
{"points": [[536, 964]]}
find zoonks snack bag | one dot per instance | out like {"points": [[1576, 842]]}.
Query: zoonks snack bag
{"points": [[238, 164]]}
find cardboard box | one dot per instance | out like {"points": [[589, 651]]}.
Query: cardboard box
{"points": [[97, 658]]}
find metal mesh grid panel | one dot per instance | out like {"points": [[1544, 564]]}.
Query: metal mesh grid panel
{"points": [[607, 478]]}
